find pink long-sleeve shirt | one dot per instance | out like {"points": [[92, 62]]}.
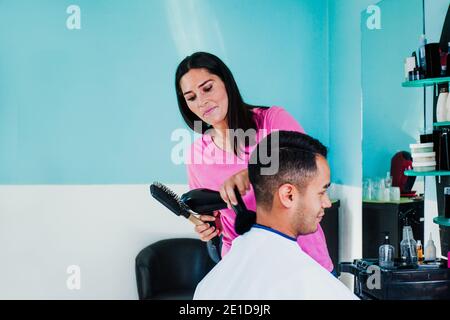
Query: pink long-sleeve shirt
{"points": [[209, 166]]}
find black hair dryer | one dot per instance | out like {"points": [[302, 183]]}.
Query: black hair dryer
{"points": [[206, 201]]}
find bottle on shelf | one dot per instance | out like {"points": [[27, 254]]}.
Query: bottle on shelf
{"points": [[386, 254], [444, 57], [430, 250], [442, 113], [447, 103], [388, 180], [447, 202], [448, 61], [408, 245], [422, 58], [419, 251]]}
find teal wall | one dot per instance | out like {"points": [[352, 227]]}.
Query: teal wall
{"points": [[345, 90], [386, 116], [393, 116], [97, 105], [357, 56]]}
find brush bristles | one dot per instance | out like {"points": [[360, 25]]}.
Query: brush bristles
{"points": [[167, 190], [170, 199]]}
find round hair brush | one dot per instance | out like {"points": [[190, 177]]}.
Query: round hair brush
{"points": [[171, 201]]}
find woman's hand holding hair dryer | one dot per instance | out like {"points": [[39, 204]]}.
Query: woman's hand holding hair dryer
{"points": [[207, 231]]}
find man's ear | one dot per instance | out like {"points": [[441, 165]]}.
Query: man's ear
{"points": [[286, 195]]}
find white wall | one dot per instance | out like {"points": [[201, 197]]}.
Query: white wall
{"points": [[101, 229], [350, 225], [45, 229]]}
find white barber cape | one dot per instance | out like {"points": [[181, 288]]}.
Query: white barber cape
{"points": [[266, 264]]}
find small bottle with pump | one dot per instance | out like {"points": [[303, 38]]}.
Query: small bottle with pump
{"points": [[386, 254], [419, 251], [430, 250]]}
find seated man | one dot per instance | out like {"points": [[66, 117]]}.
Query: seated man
{"points": [[265, 262]]}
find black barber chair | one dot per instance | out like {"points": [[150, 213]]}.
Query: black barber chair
{"points": [[171, 269]]}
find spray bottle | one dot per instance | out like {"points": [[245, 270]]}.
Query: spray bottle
{"points": [[386, 254], [408, 245]]}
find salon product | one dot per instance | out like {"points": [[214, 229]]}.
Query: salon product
{"points": [[410, 64], [448, 61], [442, 113], [447, 102], [444, 57], [418, 74], [421, 147], [424, 157], [422, 58], [447, 202], [430, 250], [394, 194], [419, 251], [424, 166], [441, 140], [426, 136], [433, 61], [386, 254], [423, 162], [387, 187], [367, 189], [408, 245], [407, 71], [379, 190], [387, 194], [388, 180]]}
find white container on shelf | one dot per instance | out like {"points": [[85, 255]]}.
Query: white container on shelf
{"points": [[424, 166], [394, 193], [442, 113], [424, 157], [447, 107], [421, 147]]}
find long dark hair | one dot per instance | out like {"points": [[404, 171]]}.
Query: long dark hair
{"points": [[239, 114]]}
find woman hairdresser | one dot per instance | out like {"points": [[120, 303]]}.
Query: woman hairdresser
{"points": [[208, 95]]}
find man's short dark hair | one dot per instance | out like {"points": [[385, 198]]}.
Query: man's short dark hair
{"points": [[297, 154]]}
